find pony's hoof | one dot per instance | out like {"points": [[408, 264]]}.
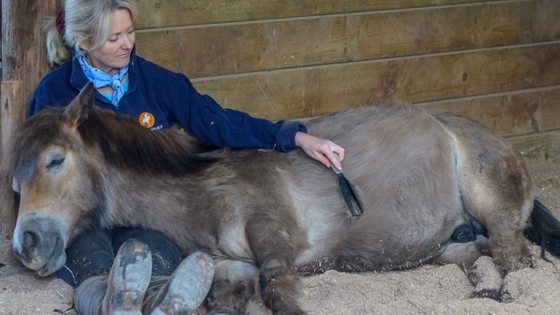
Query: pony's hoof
{"points": [[495, 295]]}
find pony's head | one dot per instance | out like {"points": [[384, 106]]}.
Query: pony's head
{"points": [[54, 183], [61, 166]]}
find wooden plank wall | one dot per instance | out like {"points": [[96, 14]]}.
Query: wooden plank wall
{"points": [[495, 61]]}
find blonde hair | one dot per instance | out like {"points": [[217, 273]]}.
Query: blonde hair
{"points": [[88, 20]]}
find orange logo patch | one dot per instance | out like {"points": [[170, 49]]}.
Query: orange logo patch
{"points": [[147, 120]]}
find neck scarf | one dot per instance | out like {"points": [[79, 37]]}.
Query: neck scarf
{"points": [[102, 79]]}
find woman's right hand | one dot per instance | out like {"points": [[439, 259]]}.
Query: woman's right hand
{"points": [[320, 149]]}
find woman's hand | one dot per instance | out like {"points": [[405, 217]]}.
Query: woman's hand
{"points": [[320, 149]]}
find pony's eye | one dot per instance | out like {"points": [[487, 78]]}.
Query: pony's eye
{"points": [[55, 162]]}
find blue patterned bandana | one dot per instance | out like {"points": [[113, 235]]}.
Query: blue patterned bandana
{"points": [[102, 79]]}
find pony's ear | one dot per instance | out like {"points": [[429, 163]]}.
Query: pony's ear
{"points": [[80, 107]]}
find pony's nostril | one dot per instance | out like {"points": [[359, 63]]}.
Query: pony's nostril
{"points": [[30, 240]]}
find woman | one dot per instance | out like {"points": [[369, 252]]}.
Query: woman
{"points": [[93, 40]]}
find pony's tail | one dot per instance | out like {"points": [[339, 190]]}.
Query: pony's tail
{"points": [[544, 229]]}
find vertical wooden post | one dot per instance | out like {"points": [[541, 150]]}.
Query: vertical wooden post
{"points": [[12, 93], [24, 63]]}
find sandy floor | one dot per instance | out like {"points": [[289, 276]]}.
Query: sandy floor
{"points": [[425, 290]]}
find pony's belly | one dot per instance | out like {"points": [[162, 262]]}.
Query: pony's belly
{"points": [[378, 256], [392, 257], [381, 239]]}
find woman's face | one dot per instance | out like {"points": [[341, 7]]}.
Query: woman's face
{"points": [[115, 53]]}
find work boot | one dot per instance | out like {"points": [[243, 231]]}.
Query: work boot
{"points": [[185, 290], [89, 295], [128, 280]]}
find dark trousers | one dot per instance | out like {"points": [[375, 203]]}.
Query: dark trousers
{"points": [[92, 253]]}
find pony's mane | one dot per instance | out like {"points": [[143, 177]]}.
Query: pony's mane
{"points": [[124, 143], [128, 145]]}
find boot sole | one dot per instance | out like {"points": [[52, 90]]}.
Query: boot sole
{"points": [[188, 285], [132, 272]]}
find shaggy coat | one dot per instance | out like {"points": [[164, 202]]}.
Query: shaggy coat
{"points": [[437, 188]]}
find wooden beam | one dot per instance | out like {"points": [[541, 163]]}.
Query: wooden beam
{"points": [[12, 117], [24, 63], [313, 91], [510, 113], [171, 13], [23, 41], [227, 49], [539, 146]]}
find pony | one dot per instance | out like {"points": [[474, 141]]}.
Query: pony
{"points": [[436, 188]]}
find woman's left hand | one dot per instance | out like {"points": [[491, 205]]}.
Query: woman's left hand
{"points": [[320, 149]]}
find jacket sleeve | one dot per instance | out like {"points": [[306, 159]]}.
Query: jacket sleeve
{"points": [[203, 117]]}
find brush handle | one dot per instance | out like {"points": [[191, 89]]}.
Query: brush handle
{"points": [[349, 193], [333, 168]]}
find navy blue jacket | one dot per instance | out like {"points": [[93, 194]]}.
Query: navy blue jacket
{"points": [[162, 98]]}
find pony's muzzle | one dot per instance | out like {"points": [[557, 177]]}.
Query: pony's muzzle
{"points": [[39, 243]]}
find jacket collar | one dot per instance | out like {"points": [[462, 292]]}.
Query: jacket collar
{"points": [[78, 78]]}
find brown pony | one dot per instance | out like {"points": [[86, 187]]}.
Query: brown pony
{"points": [[436, 188]]}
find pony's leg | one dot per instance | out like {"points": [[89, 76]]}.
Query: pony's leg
{"points": [[486, 279], [497, 192], [496, 188], [463, 254], [275, 243], [232, 288], [474, 259]]}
